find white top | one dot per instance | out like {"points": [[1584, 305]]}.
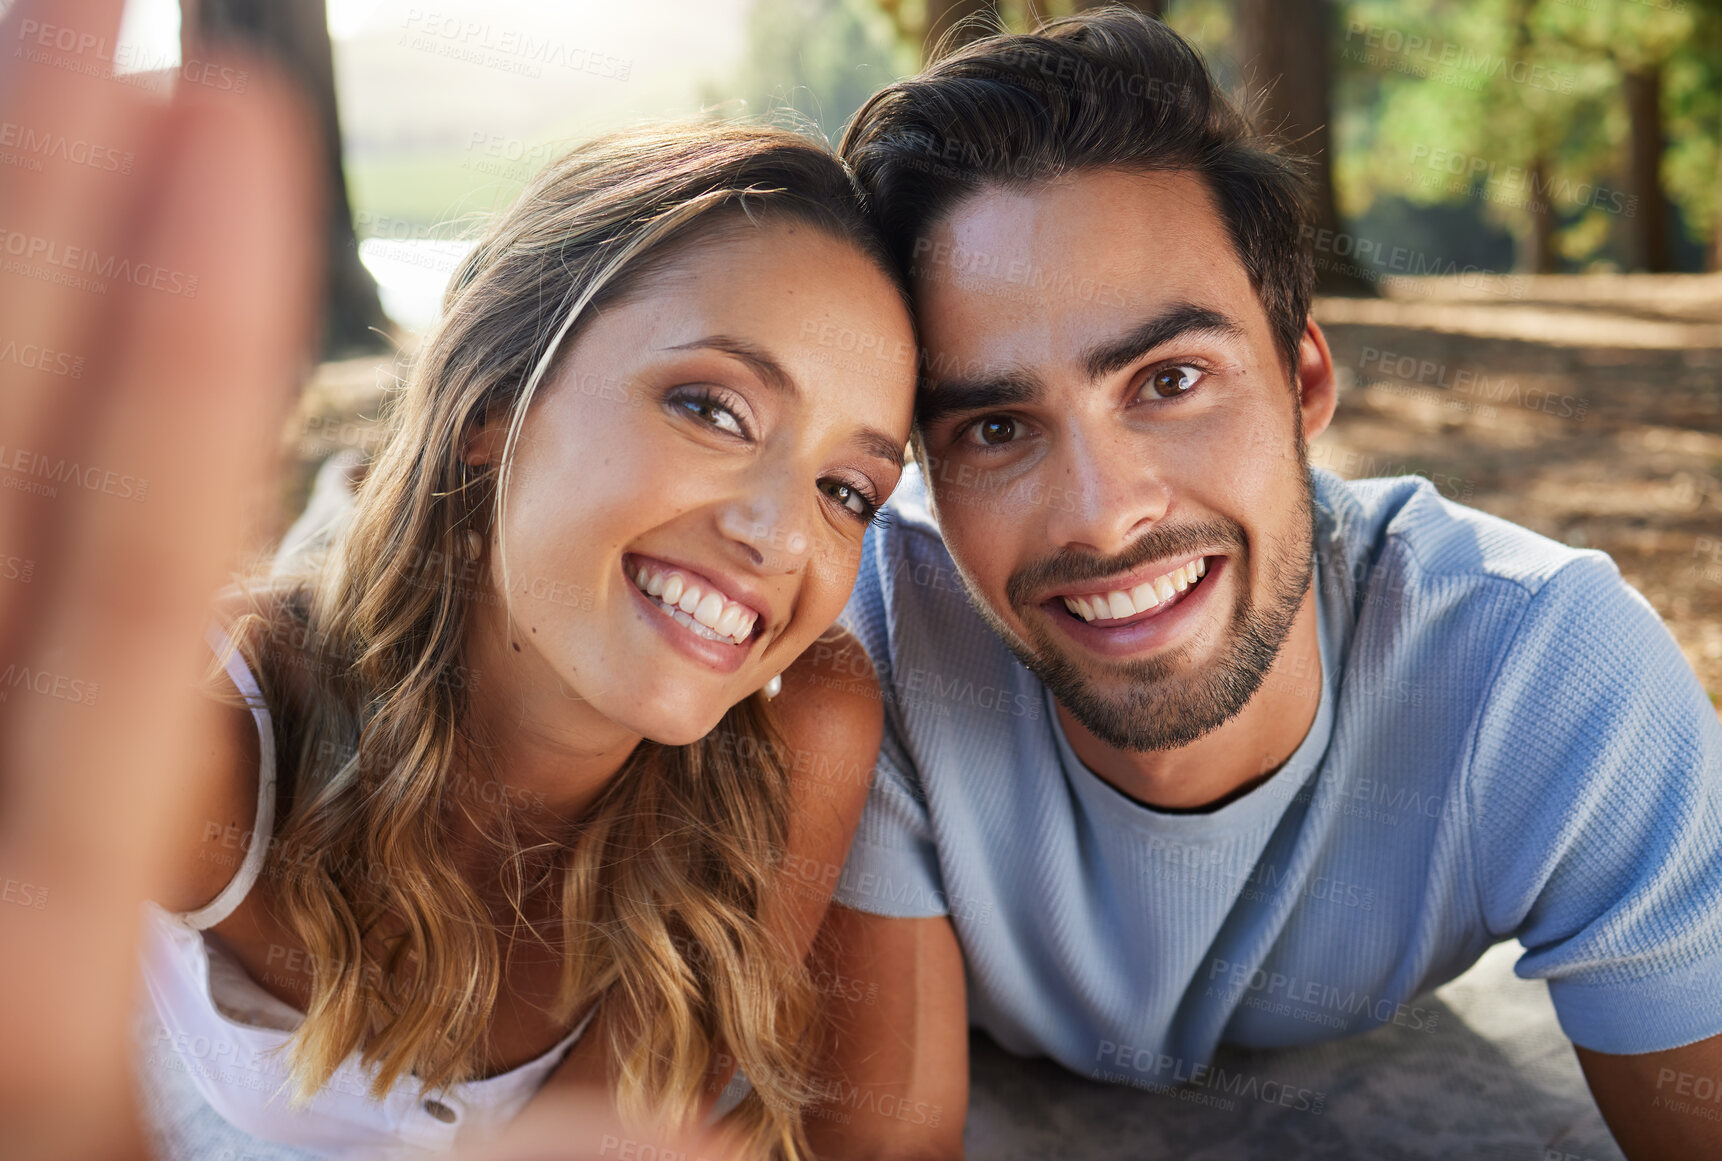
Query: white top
{"points": [[229, 1035]]}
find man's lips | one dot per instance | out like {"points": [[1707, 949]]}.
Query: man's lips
{"points": [[1146, 590], [1145, 631]]}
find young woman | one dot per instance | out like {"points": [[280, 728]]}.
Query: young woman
{"points": [[524, 765]]}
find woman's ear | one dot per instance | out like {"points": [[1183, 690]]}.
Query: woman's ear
{"points": [[485, 439]]}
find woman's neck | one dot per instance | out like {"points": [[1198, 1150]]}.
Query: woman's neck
{"points": [[548, 755]]}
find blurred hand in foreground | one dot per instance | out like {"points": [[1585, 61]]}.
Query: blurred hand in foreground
{"points": [[157, 265], [158, 272]]}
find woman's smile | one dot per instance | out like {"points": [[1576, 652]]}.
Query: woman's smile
{"points": [[710, 617]]}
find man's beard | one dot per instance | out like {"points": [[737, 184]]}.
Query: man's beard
{"points": [[1155, 710]]}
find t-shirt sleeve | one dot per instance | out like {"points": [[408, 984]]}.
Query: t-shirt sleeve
{"points": [[893, 865], [1595, 792]]}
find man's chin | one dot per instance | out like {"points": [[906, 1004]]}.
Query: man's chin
{"points": [[1166, 701]]}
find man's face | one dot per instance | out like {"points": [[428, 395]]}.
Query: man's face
{"points": [[1108, 418]]}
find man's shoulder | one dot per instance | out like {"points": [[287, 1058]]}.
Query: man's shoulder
{"points": [[1417, 535], [1458, 600]]}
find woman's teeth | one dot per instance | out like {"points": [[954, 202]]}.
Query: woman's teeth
{"points": [[706, 611], [1119, 603]]}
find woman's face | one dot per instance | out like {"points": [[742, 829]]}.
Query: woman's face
{"points": [[692, 483]]}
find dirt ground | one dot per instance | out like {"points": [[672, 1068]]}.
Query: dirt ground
{"points": [[1588, 408]]}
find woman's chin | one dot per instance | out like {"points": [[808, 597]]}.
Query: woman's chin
{"points": [[680, 725]]}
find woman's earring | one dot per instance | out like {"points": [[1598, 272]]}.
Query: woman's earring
{"points": [[773, 687], [472, 543]]}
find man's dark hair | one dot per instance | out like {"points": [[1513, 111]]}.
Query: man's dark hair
{"points": [[1106, 89]]}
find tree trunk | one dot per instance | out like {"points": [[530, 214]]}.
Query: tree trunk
{"points": [[945, 15], [295, 35], [1647, 229], [1716, 222], [1537, 243], [1283, 48]]}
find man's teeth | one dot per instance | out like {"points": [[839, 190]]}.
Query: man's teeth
{"points": [[706, 611], [1120, 603]]}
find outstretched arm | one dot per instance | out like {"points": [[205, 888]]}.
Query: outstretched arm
{"points": [[180, 289], [1661, 1106]]}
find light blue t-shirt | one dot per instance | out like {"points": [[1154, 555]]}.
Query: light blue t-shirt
{"points": [[1509, 744]]}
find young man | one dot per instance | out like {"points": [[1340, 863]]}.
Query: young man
{"points": [[1188, 742]]}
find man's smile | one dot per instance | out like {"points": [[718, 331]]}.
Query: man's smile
{"points": [[1131, 596]]}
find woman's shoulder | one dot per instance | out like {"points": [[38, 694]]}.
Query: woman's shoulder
{"points": [[832, 715], [224, 778], [222, 803]]}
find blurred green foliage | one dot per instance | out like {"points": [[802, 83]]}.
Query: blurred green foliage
{"points": [[1488, 131], [813, 62], [1443, 103]]}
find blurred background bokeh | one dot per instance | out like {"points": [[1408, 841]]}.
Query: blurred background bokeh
{"points": [[1520, 200]]}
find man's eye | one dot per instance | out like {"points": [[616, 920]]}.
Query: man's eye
{"points": [[1169, 382], [992, 431]]}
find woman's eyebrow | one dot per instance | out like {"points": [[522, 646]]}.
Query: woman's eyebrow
{"points": [[772, 373], [769, 370], [876, 443]]}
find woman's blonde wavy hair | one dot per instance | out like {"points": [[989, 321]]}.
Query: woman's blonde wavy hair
{"points": [[665, 885]]}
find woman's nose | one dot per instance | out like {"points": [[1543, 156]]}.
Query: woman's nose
{"points": [[769, 533]]}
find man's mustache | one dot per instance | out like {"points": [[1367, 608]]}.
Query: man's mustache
{"points": [[1069, 569]]}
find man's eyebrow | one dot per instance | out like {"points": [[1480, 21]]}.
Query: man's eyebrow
{"points": [[945, 397], [1177, 320], [873, 441], [761, 363]]}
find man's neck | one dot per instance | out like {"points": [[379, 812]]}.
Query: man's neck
{"points": [[1231, 760]]}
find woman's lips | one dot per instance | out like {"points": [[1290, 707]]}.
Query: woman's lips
{"points": [[692, 600], [684, 633]]}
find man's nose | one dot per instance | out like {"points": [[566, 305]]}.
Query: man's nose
{"points": [[1111, 491]]}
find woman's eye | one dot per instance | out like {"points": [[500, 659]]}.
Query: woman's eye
{"points": [[994, 430], [715, 413], [1169, 382], [850, 497]]}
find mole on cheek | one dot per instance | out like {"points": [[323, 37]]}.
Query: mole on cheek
{"points": [[516, 645]]}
